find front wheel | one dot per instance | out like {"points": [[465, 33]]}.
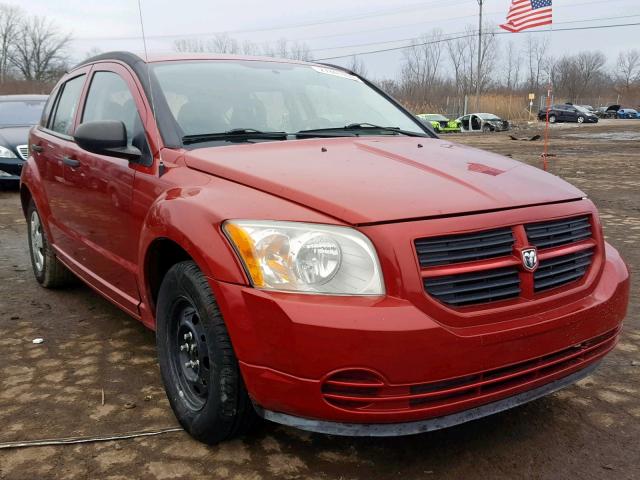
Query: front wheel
{"points": [[198, 366], [487, 129], [580, 119]]}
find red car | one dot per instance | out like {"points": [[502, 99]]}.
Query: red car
{"points": [[309, 253]]}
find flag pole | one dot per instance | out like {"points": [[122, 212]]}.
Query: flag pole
{"points": [[480, 3]]}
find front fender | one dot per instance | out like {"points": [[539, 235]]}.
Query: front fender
{"points": [[192, 218]]}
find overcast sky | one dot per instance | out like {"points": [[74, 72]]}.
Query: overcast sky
{"points": [[326, 26]]}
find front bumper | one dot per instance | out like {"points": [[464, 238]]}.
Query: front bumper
{"points": [[289, 345], [10, 169], [423, 426]]}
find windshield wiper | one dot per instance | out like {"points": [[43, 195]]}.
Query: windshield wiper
{"points": [[354, 128], [235, 134]]}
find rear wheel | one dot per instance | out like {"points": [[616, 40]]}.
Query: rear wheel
{"points": [[197, 363], [552, 119], [48, 270]]}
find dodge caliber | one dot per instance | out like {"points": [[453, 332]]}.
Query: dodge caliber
{"points": [[309, 252]]}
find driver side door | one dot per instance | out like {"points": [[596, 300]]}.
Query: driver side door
{"points": [[107, 231]]}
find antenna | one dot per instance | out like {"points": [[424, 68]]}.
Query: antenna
{"points": [[151, 89]]}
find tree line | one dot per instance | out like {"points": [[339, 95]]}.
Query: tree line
{"points": [[438, 72]]}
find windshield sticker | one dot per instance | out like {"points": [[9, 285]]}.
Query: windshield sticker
{"points": [[336, 73]]}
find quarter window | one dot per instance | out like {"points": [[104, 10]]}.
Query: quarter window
{"points": [[67, 106]]}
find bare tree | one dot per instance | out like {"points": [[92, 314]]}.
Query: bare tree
{"points": [[421, 68], [357, 66], [536, 52], [223, 43], [10, 19], [513, 64], [574, 74], [189, 45], [39, 50], [628, 71]]}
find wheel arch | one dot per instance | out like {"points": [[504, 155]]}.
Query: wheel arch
{"points": [[178, 230]]}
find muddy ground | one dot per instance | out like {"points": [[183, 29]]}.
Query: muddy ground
{"points": [[589, 431]]}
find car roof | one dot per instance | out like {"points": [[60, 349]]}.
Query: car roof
{"points": [[22, 98], [132, 59]]}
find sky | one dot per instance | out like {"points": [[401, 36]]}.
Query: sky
{"points": [[329, 27]]}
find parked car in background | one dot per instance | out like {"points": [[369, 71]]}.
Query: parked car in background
{"points": [[588, 108], [482, 122], [608, 112], [324, 262], [440, 123], [628, 113], [18, 113], [568, 113]]}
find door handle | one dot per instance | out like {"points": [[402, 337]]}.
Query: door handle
{"points": [[71, 162], [37, 148]]}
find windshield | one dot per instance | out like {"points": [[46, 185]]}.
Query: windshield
{"points": [[434, 117], [23, 112], [488, 116], [219, 96], [582, 109]]}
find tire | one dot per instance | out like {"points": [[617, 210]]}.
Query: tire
{"points": [[48, 270], [580, 119], [487, 129], [552, 119], [209, 398]]}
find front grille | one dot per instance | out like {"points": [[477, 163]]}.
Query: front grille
{"points": [[476, 287], [464, 248], [23, 151], [365, 391], [560, 271], [558, 232], [449, 277]]}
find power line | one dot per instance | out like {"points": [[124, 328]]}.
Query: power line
{"points": [[386, 12], [473, 34]]}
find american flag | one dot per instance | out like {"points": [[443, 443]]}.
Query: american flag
{"points": [[524, 14]]}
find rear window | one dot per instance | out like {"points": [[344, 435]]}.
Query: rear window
{"points": [[20, 112]]}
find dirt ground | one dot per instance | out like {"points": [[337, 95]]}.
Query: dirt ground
{"points": [[589, 431]]}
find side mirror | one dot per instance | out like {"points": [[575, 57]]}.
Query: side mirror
{"points": [[106, 137]]}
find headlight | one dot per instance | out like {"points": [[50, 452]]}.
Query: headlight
{"points": [[305, 257], [6, 153]]}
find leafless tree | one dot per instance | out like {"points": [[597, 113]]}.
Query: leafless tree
{"points": [[39, 50], [536, 53], [421, 68], [574, 74], [628, 71], [10, 19], [357, 66], [512, 65], [223, 43], [190, 45]]}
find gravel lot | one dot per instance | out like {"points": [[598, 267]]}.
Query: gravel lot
{"points": [[591, 430]]}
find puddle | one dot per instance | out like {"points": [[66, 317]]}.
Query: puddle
{"points": [[606, 135]]}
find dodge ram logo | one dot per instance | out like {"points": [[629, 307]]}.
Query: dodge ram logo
{"points": [[530, 259]]}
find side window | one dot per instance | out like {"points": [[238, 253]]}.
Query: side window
{"points": [[67, 105], [109, 98], [46, 113]]}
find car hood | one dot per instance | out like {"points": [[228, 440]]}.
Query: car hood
{"points": [[13, 136], [377, 179]]}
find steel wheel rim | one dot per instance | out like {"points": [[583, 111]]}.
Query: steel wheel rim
{"points": [[37, 241], [189, 354]]}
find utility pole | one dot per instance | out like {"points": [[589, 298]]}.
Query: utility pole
{"points": [[480, 2]]}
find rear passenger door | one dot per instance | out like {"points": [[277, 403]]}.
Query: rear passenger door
{"points": [[51, 142]]}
